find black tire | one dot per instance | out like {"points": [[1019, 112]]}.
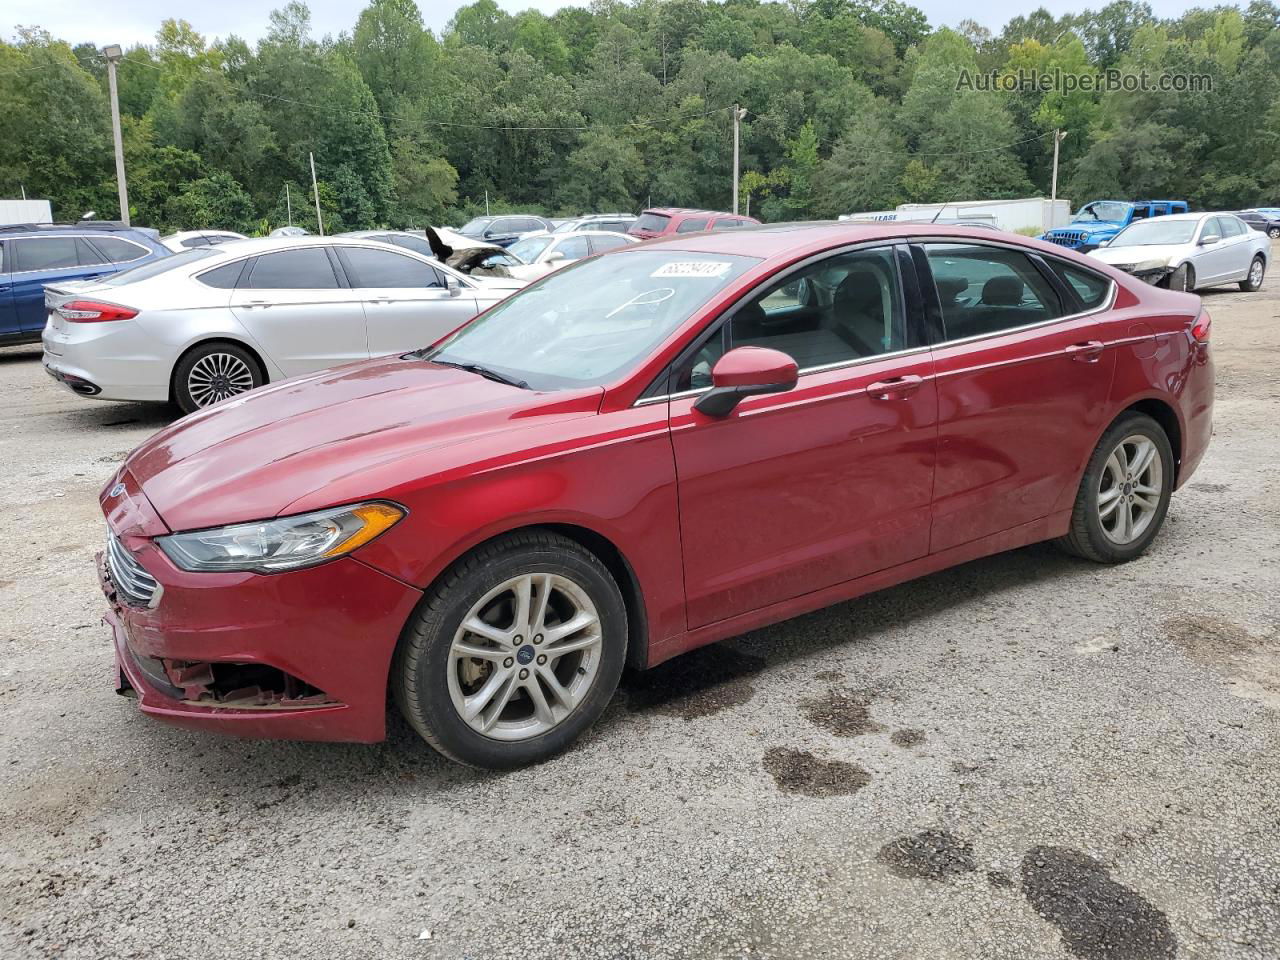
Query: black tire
{"points": [[1183, 278], [420, 669], [1086, 536], [238, 359], [1248, 285]]}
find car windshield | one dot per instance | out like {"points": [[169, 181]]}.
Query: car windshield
{"points": [[584, 325], [154, 268], [1103, 210], [568, 226], [1146, 233], [529, 248], [477, 225]]}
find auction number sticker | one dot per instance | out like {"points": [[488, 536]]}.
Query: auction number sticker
{"points": [[693, 268]]}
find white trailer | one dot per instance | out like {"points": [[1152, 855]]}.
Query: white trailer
{"points": [[1030, 214], [25, 211]]}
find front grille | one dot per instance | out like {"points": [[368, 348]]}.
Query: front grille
{"points": [[1066, 238], [135, 586]]}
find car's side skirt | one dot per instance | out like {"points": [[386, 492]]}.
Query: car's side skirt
{"points": [[1046, 528]]}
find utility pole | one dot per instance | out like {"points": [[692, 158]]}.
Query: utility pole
{"points": [[1058, 136], [738, 114], [315, 189], [486, 201], [114, 54], [288, 203]]}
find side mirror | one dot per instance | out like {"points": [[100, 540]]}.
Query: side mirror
{"points": [[746, 372], [1209, 239], [555, 255], [453, 286]]}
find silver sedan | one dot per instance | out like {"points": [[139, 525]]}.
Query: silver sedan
{"points": [[1190, 251], [212, 322]]}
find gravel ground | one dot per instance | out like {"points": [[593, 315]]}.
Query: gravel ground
{"points": [[1025, 757]]}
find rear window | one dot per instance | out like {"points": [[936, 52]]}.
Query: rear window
{"points": [[153, 268], [1089, 287], [656, 222]]}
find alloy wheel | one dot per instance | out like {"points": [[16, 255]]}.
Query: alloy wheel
{"points": [[1255, 274], [217, 376], [1129, 489], [525, 656]]}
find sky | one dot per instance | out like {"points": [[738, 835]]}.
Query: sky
{"points": [[135, 21]]}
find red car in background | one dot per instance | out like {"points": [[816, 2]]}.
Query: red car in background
{"points": [[662, 221], [642, 453]]}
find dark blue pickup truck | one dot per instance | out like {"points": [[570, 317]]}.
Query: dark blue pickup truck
{"points": [[1103, 219], [32, 255]]}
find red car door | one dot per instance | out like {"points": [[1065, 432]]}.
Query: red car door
{"points": [[1022, 379], [797, 491]]}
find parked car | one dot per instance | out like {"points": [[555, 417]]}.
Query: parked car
{"points": [[186, 239], [1191, 251], [226, 319], [660, 221], [543, 252], [614, 222], [1101, 220], [504, 230], [32, 255], [1268, 223], [661, 447], [279, 232]]}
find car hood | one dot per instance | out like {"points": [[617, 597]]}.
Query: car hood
{"points": [[253, 456], [1163, 252]]}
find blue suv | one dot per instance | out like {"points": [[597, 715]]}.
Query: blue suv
{"points": [[32, 255], [1103, 219]]}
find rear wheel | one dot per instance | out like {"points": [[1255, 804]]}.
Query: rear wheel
{"points": [[514, 653], [1274, 233], [212, 372], [1253, 281], [1124, 493]]}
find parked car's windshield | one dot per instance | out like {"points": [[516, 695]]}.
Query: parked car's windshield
{"points": [[586, 324], [145, 271], [477, 225], [1105, 210], [1147, 233], [529, 248]]}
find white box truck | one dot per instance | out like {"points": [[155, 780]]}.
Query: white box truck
{"points": [[1030, 214], [25, 211]]}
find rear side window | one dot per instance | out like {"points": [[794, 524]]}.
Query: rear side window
{"points": [[653, 222], [1231, 227], [119, 250], [382, 268], [307, 268], [45, 253], [1089, 287], [984, 290], [693, 225], [601, 244], [87, 254], [224, 277], [575, 248]]}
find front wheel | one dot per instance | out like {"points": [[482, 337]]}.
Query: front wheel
{"points": [[1124, 494], [514, 653], [1253, 281], [212, 372], [1183, 278]]}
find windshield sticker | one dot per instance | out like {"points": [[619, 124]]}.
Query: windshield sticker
{"points": [[693, 268]]}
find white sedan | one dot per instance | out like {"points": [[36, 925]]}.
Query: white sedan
{"points": [[1190, 251], [212, 322], [186, 239], [543, 252]]}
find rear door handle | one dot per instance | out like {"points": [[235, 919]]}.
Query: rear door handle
{"points": [[895, 388], [1087, 352]]}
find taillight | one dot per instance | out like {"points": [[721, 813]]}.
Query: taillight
{"points": [[92, 311], [1200, 329]]}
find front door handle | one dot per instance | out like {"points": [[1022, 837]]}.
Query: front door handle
{"points": [[1087, 352], [895, 388]]}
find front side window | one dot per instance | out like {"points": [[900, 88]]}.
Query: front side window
{"points": [[1231, 227], [985, 290], [692, 225], [590, 322], [575, 248], [382, 268], [46, 253], [119, 250], [843, 308], [306, 268]]}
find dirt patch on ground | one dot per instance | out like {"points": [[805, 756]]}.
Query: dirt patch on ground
{"points": [[799, 771], [1250, 662], [843, 712], [931, 855], [697, 684], [1099, 918], [908, 737]]}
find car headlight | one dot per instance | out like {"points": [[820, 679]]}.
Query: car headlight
{"points": [[285, 543], [1157, 264]]}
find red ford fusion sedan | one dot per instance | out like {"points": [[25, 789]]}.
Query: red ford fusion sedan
{"points": [[642, 453]]}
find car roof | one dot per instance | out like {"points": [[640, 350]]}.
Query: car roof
{"points": [[256, 245], [689, 211], [87, 226]]}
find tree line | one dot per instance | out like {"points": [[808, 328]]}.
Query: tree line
{"points": [[850, 105]]}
